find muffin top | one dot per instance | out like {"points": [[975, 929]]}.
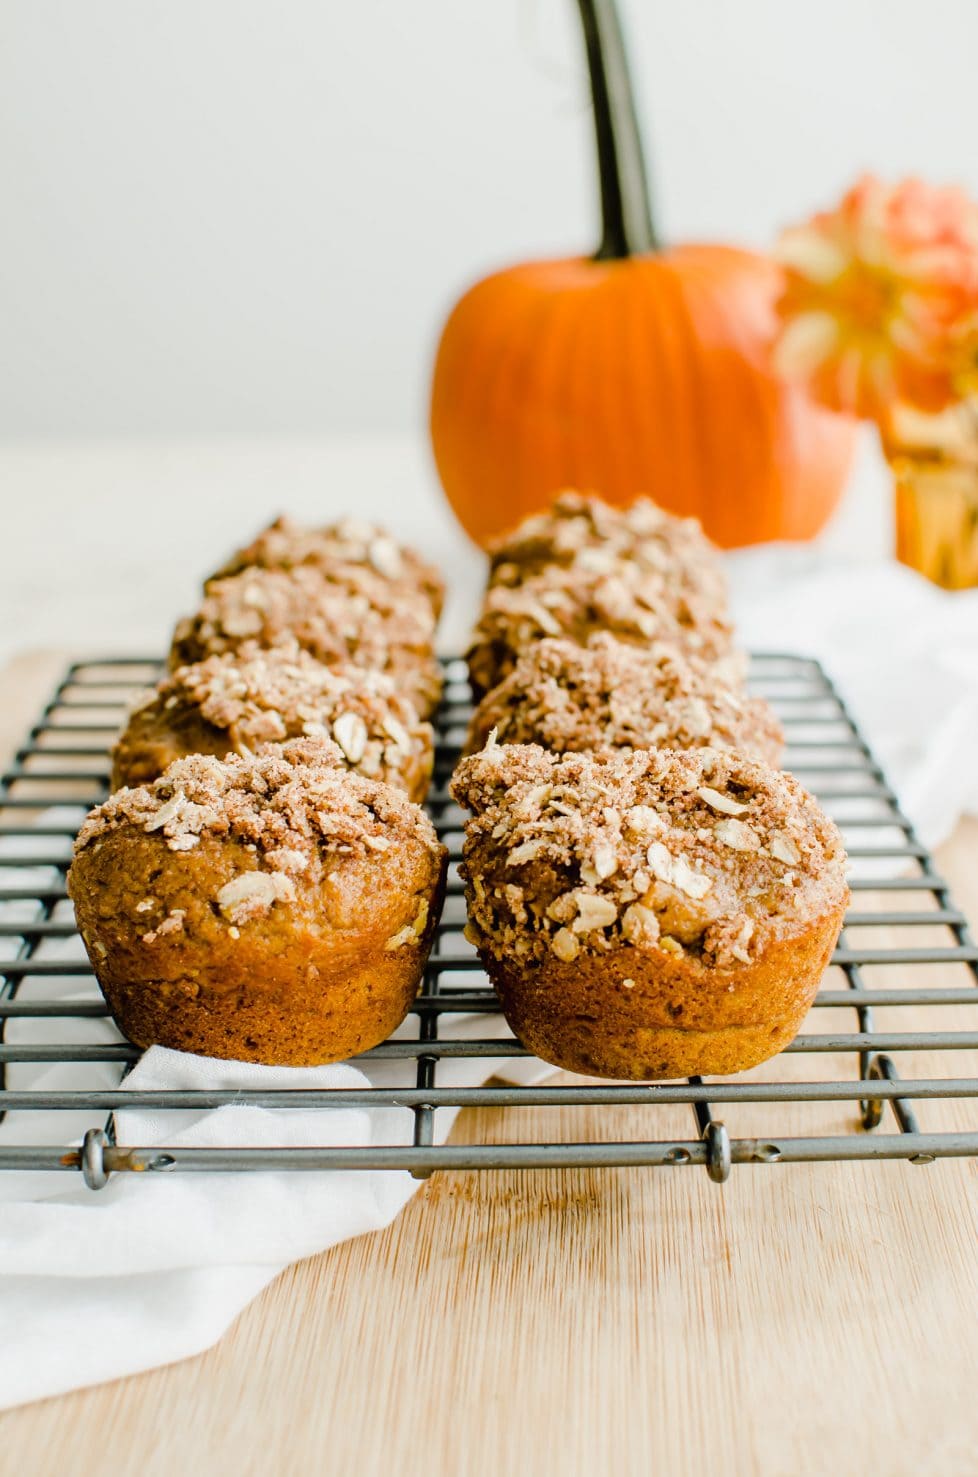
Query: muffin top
{"points": [[260, 696], [608, 694], [701, 852], [636, 605], [585, 533], [350, 615], [285, 544], [295, 808]]}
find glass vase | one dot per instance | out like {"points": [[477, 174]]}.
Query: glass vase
{"points": [[937, 519]]}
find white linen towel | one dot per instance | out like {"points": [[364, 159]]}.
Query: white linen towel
{"points": [[903, 654], [153, 1268]]}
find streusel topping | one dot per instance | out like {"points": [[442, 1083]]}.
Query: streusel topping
{"points": [[699, 852], [349, 616], [285, 544], [636, 605], [609, 694], [293, 805], [585, 533], [259, 696]]}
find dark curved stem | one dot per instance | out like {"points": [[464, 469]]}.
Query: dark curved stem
{"points": [[626, 214]]}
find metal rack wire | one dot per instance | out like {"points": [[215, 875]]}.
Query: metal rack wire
{"points": [[903, 983]]}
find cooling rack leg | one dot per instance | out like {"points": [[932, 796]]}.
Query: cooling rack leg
{"points": [[717, 1142], [882, 1069], [423, 1136], [871, 1109], [424, 1116], [93, 1168], [715, 1137]]}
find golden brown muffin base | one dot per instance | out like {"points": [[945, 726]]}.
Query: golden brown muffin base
{"points": [[148, 744], [677, 1019], [309, 983], [309, 1012]]}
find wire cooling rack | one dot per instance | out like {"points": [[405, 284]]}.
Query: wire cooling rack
{"points": [[903, 984]]}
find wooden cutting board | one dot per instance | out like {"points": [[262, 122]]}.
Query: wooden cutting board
{"points": [[800, 1319]]}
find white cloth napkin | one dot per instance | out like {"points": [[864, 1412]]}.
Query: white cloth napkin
{"points": [[903, 654], [153, 1268]]}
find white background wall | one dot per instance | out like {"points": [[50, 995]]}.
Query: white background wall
{"points": [[237, 217]]}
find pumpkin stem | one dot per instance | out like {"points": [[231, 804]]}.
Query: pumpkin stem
{"points": [[626, 213]]}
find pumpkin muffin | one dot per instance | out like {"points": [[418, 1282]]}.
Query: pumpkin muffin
{"points": [[285, 544], [269, 908], [580, 532], [609, 695], [637, 606], [351, 615], [240, 701], [649, 915]]}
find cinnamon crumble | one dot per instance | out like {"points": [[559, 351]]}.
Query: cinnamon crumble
{"points": [[637, 606], [577, 854], [285, 544], [608, 694], [585, 533], [291, 805], [347, 615], [243, 700]]}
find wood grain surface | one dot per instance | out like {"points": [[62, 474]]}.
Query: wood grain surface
{"points": [[798, 1320]]}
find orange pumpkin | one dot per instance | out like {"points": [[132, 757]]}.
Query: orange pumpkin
{"points": [[635, 371]]}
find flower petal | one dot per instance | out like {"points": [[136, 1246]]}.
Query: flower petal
{"points": [[811, 253], [805, 343]]}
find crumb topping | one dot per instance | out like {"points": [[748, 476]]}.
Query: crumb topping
{"points": [[609, 694], [349, 615], [260, 696], [633, 604], [293, 806], [285, 544], [700, 852], [585, 533]]}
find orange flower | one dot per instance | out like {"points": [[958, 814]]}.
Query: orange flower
{"points": [[877, 296]]}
